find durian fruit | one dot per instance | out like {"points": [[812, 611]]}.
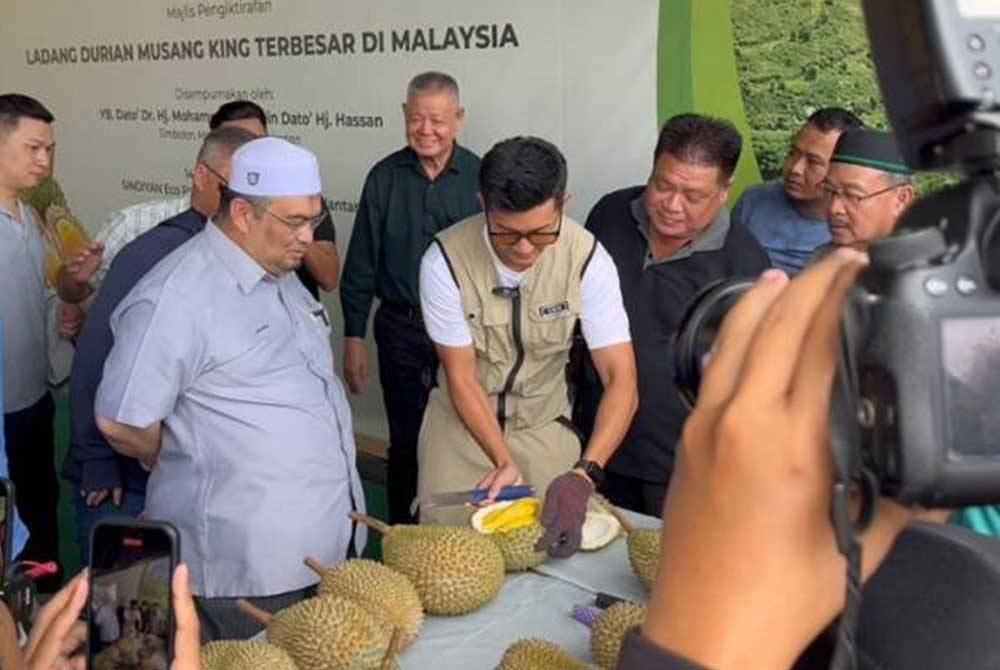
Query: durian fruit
{"points": [[329, 633], [518, 547], [72, 236], [609, 631], [644, 554], [515, 528], [454, 569], [377, 587], [245, 655], [44, 195], [64, 237], [643, 548], [537, 654]]}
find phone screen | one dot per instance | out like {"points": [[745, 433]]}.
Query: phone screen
{"points": [[130, 618]]}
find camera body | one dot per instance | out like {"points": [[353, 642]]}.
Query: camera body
{"points": [[926, 345], [923, 338], [917, 401]]}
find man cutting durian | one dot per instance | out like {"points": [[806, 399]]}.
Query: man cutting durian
{"points": [[501, 293]]}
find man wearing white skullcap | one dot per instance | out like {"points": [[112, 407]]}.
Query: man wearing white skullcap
{"points": [[221, 380]]}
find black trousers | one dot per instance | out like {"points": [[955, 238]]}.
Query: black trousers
{"points": [[408, 364], [220, 620], [30, 445], [634, 494]]}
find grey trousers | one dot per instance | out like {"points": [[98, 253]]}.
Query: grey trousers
{"points": [[220, 620]]}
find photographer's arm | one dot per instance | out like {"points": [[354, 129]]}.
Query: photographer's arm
{"points": [[749, 572]]}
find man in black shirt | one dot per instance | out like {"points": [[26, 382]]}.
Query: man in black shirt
{"points": [[669, 239], [408, 197]]}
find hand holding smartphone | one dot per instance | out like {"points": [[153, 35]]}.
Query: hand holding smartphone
{"points": [[130, 617]]}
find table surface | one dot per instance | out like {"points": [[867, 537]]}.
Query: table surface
{"points": [[530, 604]]}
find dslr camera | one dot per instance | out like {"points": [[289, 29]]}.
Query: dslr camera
{"points": [[918, 386]]}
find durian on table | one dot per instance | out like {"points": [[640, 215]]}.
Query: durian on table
{"points": [[454, 569], [330, 633], [608, 632], [378, 588], [538, 654], [245, 655], [643, 548]]}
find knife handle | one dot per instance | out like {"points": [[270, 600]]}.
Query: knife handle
{"points": [[506, 493]]}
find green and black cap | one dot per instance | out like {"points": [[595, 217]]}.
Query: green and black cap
{"points": [[876, 149]]}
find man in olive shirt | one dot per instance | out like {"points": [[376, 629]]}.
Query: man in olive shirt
{"points": [[408, 197]]}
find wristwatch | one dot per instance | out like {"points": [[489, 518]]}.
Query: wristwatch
{"points": [[592, 470]]}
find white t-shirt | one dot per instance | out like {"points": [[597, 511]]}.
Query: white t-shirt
{"points": [[603, 318]]}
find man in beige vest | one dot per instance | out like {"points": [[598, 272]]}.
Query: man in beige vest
{"points": [[501, 293]]}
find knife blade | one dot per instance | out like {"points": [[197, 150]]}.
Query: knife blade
{"points": [[473, 496]]}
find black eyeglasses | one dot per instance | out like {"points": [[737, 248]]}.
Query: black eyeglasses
{"points": [[300, 224], [537, 238], [853, 199], [222, 180]]}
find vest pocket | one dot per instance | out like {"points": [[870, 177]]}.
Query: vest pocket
{"points": [[491, 338], [548, 333]]}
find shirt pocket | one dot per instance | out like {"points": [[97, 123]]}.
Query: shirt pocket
{"points": [[313, 320]]}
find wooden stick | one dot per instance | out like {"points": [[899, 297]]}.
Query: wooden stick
{"points": [[315, 565], [622, 519], [372, 522], [262, 617], [395, 646]]}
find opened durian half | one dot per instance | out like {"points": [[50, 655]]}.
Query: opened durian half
{"points": [[516, 526]]}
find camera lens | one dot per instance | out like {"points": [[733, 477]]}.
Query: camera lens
{"points": [[697, 332]]}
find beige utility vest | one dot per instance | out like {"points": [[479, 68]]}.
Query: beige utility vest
{"points": [[522, 336]]}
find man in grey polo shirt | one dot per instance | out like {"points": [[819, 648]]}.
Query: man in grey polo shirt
{"points": [[26, 146], [221, 380]]}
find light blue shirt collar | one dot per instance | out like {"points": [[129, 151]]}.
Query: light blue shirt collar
{"points": [[245, 270]]}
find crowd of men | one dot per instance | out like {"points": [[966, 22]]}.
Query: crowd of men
{"points": [[204, 391]]}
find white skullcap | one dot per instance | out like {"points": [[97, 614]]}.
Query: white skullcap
{"points": [[273, 168]]}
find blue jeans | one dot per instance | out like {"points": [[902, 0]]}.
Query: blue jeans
{"points": [[87, 517]]}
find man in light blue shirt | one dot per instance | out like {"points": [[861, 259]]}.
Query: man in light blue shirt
{"points": [[20, 533], [221, 380], [26, 146], [788, 215]]}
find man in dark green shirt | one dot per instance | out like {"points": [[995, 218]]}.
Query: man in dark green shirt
{"points": [[408, 197]]}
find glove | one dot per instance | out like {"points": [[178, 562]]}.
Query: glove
{"points": [[563, 514]]}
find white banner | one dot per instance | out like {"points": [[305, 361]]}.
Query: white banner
{"points": [[132, 84]]}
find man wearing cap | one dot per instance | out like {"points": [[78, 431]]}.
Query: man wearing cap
{"points": [[221, 380], [869, 187], [321, 267], [105, 481], [788, 215]]}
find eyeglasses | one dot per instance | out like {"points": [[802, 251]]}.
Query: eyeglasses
{"points": [[300, 224], [853, 199], [537, 238], [222, 180]]}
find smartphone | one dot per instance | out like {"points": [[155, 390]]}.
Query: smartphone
{"points": [[130, 618]]}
